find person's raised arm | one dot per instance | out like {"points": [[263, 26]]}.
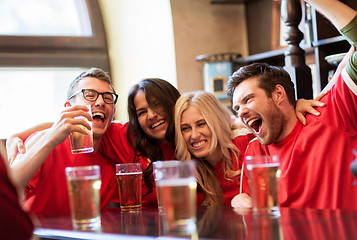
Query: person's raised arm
{"points": [[342, 64], [304, 106], [337, 12], [340, 15], [344, 19], [42, 143]]}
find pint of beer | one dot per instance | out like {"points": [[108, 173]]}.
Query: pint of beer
{"points": [[82, 143], [176, 185], [129, 178], [84, 195], [264, 176], [159, 167]]}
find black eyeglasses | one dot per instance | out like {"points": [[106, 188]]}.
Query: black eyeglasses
{"points": [[92, 95]]}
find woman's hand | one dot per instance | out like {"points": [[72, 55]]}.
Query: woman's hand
{"points": [[304, 106], [307, 106]]}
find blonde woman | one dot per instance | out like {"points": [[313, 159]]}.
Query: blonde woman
{"points": [[204, 132]]}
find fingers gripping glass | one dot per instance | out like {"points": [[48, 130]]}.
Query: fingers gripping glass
{"points": [[92, 95]]}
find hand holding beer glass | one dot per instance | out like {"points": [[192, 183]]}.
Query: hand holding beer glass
{"points": [[81, 143], [84, 195], [176, 184], [264, 176], [129, 176]]}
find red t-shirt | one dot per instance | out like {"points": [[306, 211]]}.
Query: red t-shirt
{"points": [[315, 159], [47, 192], [116, 146], [14, 221]]}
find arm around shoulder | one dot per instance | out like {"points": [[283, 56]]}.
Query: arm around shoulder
{"points": [[24, 166], [15, 143]]}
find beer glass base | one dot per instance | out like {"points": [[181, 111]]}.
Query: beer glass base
{"points": [[133, 208], [273, 212], [187, 226], [93, 224], [82, 150]]}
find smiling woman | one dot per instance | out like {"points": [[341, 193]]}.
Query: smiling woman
{"points": [[149, 134], [204, 132]]}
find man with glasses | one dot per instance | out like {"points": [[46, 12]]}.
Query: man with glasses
{"points": [[41, 170], [92, 95]]}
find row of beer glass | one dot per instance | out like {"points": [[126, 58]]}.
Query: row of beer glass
{"points": [[176, 191]]}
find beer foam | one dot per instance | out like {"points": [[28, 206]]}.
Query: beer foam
{"points": [[262, 165], [176, 182], [130, 173], [83, 177]]}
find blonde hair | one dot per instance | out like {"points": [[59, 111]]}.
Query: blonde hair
{"points": [[218, 119]]}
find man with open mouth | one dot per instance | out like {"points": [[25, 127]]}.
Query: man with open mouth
{"points": [[41, 170], [315, 158]]}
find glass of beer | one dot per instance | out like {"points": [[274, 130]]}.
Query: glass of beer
{"points": [[81, 143], [84, 195], [264, 173], [176, 184], [158, 168], [129, 176]]}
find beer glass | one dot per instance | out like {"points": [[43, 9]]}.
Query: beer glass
{"points": [[81, 143], [84, 195], [176, 184], [157, 171], [129, 176], [264, 173]]}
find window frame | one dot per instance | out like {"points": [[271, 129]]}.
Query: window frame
{"points": [[59, 51]]}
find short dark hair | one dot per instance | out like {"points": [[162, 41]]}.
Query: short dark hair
{"points": [[268, 77], [92, 72]]}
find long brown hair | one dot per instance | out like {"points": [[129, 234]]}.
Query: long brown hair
{"points": [[156, 90]]}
